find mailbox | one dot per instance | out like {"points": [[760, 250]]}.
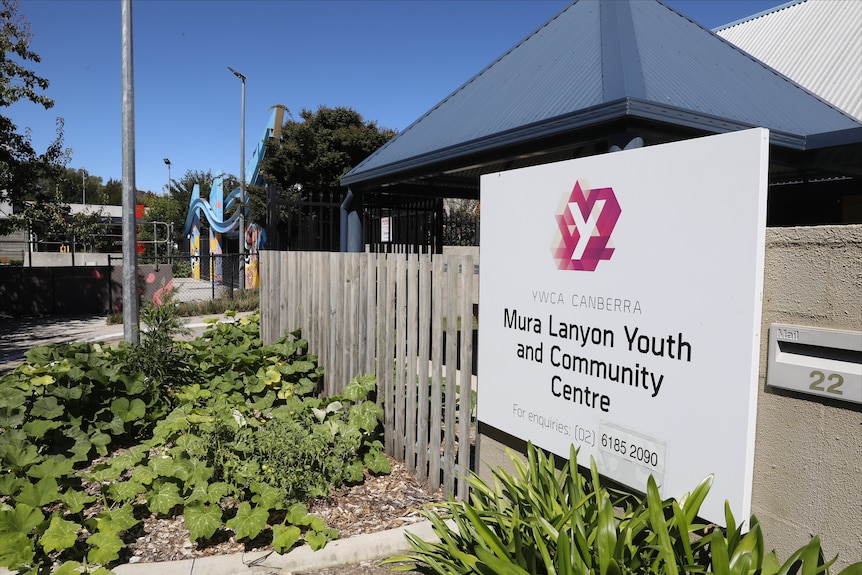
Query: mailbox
{"points": [[817, 361]]}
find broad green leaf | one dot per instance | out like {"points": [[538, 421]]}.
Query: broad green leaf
{"points": [[21, 457], [267, 496], [68, 393], [284, 537], [42, 380], [297, 514], [101, 441], [104, 547], [358, 388], [16, 550], [115, 426], [163, 466], [61, 534], [218, 490], [10, 484], [116, 520], [43, 492], [69, 568], [102, 473], [129, 410], [366, 415], [143, 475], [198, 494], [202, 521], [377, 462], [248, 522], [39, 427], [164, 498], [129, 458], [22, 518], [56, 466], [76, 500], [126, 490], [315, 540], [12, 416], [46, 408], [10, 396]]}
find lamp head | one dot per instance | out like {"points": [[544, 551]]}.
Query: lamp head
{"points": [[167, 161]]}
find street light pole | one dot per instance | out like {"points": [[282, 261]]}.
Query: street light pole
{"points": [[242, 202], [168, 163], [84, 185], [169, 238]]}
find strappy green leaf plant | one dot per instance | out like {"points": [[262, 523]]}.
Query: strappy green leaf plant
{"points": [[559, 521]]}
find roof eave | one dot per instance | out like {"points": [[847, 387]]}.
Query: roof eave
{"points": [[551, 127], [707, 123], [845, 137], [617, 109]]}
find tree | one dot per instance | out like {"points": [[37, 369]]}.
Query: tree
{"points": [[313, 154], [22, 169], [461, 223]]}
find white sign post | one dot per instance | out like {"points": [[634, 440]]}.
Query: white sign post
{"points": [[620, 311]]}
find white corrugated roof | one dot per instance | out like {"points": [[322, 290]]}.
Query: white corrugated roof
{"points": [[815, 43]]}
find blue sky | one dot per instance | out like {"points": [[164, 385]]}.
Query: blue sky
{"points": [[390, 60]]}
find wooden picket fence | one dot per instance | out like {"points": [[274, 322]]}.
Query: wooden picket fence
{"points": [[397, 316]]}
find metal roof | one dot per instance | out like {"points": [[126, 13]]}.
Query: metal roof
{"points": [[603, 60], [817, 43]]}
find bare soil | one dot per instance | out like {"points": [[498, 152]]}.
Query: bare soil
{"points": [[379, 503]]}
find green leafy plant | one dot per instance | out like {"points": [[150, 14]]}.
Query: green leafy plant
{"points": [[93, 438], [542, 520]]}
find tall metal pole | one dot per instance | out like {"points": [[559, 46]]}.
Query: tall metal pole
{"points": [[84, 185], [131, 330], [241, 181], [168, 162]]}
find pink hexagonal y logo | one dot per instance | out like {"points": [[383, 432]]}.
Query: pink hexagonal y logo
{"points": [[585, 225]]}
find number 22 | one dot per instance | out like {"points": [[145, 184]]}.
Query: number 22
{"points": [[819, 377]]}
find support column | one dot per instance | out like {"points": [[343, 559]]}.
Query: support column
{"points": [[351, 223]]}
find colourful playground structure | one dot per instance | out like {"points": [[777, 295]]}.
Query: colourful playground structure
{"points": [[218, 206]]}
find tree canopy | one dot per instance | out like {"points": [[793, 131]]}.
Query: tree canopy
{"points": [[314, 153], [23, 171]]}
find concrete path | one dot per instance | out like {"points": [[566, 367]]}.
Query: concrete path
{"points": [[19, 335]]}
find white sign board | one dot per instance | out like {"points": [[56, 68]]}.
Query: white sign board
{"points": [[620, 302], [384, 228]]}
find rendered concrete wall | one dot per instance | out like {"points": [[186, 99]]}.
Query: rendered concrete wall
{"points": [[808, 450]]}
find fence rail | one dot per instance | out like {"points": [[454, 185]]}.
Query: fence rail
{"points": [[398, 316]]}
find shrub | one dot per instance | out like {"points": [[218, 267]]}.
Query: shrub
{"points": [[545, 521], [93, 438]]}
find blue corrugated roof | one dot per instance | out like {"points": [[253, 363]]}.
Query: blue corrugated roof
{"points": [[601, 60]]}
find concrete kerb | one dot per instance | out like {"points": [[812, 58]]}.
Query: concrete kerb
{"points": [[356, 549]]}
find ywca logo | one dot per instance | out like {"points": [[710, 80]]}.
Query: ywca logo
{"points": [[586, 224]]}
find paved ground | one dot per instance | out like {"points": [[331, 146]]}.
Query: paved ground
{"points": [[19, 335]]}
